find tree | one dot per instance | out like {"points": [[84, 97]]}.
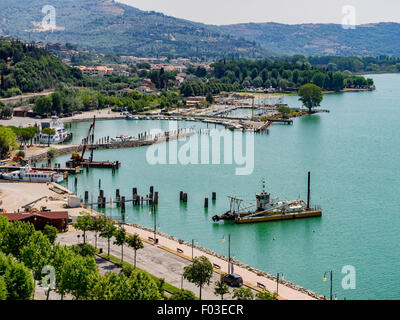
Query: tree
{"points": [[221, 288], [15, 237], [243, 294], [311, 96], [84, 223], [284, 110], [51, 233], [76, 275], [199, 272], [17, 277], [36, 254], [266, 295], [59, 257], [183, 295], [98, 226], [108, 232], [8, 141], [49, 132], [210, 98], [51, 153], [120, 240], [6, 112], [3, 289], [136, 243]]}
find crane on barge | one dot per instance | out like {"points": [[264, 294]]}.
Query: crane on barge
{"points": [[78, 160]]}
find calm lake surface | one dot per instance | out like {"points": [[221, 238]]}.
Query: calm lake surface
{"points": [[353, 154]]}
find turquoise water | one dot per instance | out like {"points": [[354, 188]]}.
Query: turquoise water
{"points": [[353, 154]]}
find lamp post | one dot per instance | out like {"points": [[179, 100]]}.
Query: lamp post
{"points": [[324, 279], [279, 274], [182, 282], [229, 252], [193, 240]]}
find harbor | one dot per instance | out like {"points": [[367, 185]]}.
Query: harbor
{"points": [[303, 249]]}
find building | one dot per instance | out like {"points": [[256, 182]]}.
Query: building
{"points": [[57, 219], [96, 71], [24, 111]]}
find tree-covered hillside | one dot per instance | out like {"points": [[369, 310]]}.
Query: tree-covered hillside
{"points": [[108, 26], [26, 68]]}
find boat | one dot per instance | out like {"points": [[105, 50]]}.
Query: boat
{"points": [[269, 209], [61, 134], [27, 174], [122, 138]]}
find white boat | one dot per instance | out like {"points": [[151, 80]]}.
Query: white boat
{"points": [[27, 174], [122, 138], [61, 134]]}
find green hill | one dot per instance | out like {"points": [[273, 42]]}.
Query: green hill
{"points": [[107, 26], [26, 68]]}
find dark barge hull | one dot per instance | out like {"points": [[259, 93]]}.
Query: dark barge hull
{"points": [[94, 164]]}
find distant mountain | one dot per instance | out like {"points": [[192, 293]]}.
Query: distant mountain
{"points": [[322, 39], [107, 26]]}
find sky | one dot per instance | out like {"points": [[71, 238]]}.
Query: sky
{"points": [[221, 12]]}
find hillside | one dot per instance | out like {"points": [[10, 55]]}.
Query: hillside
{"points": [[322, 39], [26, 68], [107, 26]]}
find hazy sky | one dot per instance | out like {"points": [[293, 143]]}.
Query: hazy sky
{"points": [[284, 11]]}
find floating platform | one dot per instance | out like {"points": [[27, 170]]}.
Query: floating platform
{"points": [[94, 164]]}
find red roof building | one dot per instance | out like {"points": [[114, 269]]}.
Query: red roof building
{"points": [[57, 219]]}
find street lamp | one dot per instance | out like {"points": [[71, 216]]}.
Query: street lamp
{"points": [[229, 251], [193, 240], [324, 279], [182, 281], [281, 275]]}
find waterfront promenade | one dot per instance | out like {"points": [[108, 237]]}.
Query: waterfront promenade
{"points": [[163, 261]]}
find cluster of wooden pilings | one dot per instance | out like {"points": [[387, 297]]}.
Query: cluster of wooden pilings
{"points": [[120, 201], [183, 197]]}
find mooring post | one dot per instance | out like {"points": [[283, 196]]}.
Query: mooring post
{"points": [[181, 196], [156, 197], [86, 196], [206, 203], [123, 204], [214, 196], [308, 190]]}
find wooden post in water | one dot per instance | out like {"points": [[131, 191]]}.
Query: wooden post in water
{"points": [[308, 190], [156, 197], [117, 197], [123, 204], [86, 196], [214, 196], [181, 195], [206, 203]]}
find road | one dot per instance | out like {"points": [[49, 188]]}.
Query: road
{"points": [[154, 260]]}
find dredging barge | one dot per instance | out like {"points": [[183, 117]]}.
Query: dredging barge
{"points": [[268, 209], [78, 160]]}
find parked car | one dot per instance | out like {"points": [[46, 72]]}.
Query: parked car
{"points": [[234, 280]]}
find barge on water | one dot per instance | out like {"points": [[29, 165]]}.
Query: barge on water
{"points": [[78, 160], [268, 209]]}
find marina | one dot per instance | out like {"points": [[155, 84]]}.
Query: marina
{"points": [[302, 247]]}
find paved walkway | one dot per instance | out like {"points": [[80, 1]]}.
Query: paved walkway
{"points": [[153, 259], [168, 259]]}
